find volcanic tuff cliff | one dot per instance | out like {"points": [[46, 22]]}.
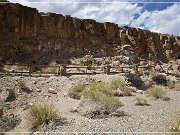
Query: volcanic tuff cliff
{"points": [[27, 36]]}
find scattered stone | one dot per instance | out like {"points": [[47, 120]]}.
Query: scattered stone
{"points": [[38, 90], [87, 83], [98, 80], [118, 113], [140, 91], [118, 93], [139, 101], [35, 82], [28, 106], [11, 95], [52, 91], [1, 111]]}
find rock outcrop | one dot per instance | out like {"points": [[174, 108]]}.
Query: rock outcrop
{"points": [[27, 36]]}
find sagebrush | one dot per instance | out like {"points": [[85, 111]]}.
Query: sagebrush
{"points": [[174, 125], [157, 92], [101, 93], [75, 91], [41, 113], [177, 86], [121, 85]]}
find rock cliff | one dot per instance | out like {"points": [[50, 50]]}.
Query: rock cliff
{"points": [[28, 36]]}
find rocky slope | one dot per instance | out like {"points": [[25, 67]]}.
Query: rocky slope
{"points": [[28, 36]]}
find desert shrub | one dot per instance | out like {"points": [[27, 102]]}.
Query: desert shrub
{"points": [[177, 86], [122, 85], [139, 101], [174, 125], [118, 83], [23, 87], [170, 83], [41, 113], [94, 86], [102, 95], [160, 79], [75, 91], [157, 92]]}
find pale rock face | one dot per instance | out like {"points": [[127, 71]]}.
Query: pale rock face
{"points": [[27, 36]]}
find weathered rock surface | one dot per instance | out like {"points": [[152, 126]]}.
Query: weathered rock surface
{"points": [[27, 36]]}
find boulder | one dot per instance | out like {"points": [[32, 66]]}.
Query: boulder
{"points": [[11, 95], [52, 91]]}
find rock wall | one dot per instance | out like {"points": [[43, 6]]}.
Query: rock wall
{"points": [[27, 36]]}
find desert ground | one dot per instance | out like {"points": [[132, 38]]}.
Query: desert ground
{"points": [[152, 118]]}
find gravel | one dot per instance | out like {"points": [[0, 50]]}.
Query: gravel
{"points": [[153, 118]]}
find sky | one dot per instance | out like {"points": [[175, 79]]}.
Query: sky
{"points": [[161, 16]]}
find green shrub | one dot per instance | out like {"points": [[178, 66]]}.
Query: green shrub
{"points": [[118, 83], [97, 87], [174, 126], [170, 84], [122, 85], [157, 92], [177, 86], [41, 113], [101, 93], [75, 91]]}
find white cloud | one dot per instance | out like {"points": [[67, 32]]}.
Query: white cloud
{"points": [[165, 21]]}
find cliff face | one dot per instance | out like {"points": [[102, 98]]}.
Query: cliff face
{"points": [[27, 36]]}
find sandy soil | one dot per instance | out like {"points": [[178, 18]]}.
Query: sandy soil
{"points": [[152, 118]]}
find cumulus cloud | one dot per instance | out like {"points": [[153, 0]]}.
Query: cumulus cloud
{"points": [[102, 11], [165, 21], [126, 13]]}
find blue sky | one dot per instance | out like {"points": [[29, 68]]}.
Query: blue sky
{"points": [[156, 15]]}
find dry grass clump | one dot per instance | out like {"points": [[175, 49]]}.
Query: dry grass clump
{"points": [[157, 92], [121, 85], [100, 87], [139, 101], [41, 113], [23, 87], [101, 96], [174, 126], [177, 86], [75, 91], [170, 83]]}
